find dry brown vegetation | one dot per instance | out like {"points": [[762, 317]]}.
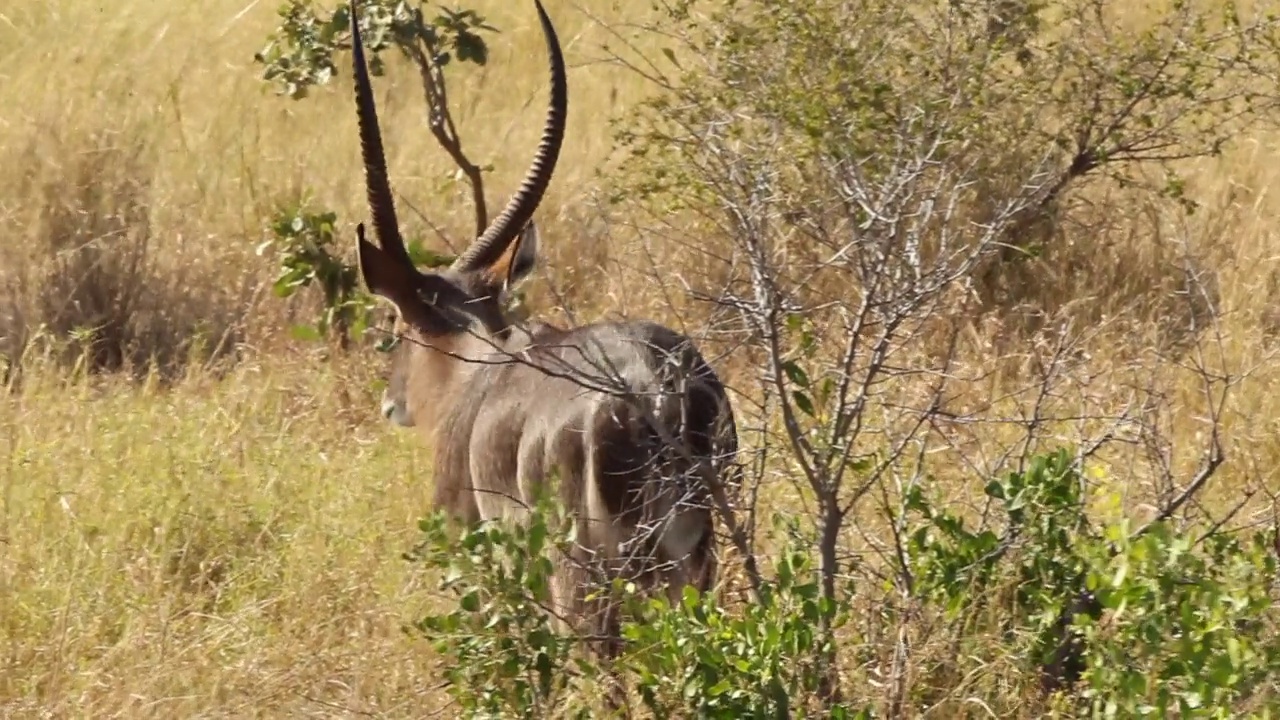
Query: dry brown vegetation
{"points": [[221, 537], [152, 139], [227, 548]]}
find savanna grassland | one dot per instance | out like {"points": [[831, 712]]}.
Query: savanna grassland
{"points": [[211, 523], [228, 545]]}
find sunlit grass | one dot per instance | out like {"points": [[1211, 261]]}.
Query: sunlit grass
{"points": [[231, 547]]}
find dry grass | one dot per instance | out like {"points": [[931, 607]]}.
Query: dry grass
{"points": [[210, 152], [230, 546], [226, 549]]}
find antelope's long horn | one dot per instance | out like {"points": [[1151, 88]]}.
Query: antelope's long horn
{"points": [[504, 228], [385, 226]]}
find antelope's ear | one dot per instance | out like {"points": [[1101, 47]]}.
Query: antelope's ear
{"points": [[519, 259], [384, 274]]}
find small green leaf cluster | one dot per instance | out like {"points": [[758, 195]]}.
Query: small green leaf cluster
{"points": [[1043, 513], [819, 405], [299, 54], [1182, 625], [806, 347], [503, 655], [424, 257], [306, 244], [764, 660]]}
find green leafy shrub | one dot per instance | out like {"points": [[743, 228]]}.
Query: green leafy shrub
{"points": [[309, 256], [762, 660], [1190, 628], [1174, 623], [503, 657]]}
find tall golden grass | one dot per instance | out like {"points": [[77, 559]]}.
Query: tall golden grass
{"points": [[134, 105], [229, 545], [225, 548]]}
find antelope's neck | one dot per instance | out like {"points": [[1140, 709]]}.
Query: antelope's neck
{"points": [[458, 374]]}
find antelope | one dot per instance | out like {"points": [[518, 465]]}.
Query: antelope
{"points": [[626, 417]]}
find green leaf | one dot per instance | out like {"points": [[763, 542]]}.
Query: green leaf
{"points": [[425, 257], [471, 48], [306, 333], [671, 56], [995, 489], [537, 538], [804, 403], [795, 373], [283, 287]]}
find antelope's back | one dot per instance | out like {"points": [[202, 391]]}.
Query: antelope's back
{"points": [[640, 359], [634, 373], [622, 402]]}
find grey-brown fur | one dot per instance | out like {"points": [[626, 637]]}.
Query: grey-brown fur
{"points": [[627, 415]]}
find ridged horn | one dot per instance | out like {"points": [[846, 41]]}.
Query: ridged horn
{"points": [[386, 228], [504, 228]]}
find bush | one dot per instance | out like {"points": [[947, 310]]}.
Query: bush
{"points": [[865, 178], [1173, 623], [502, 655], [1191, 627], [766, 659], [85, 281], [1154, 621]]}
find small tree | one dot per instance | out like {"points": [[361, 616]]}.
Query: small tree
{"points": [[301, 54], [864, 177]]}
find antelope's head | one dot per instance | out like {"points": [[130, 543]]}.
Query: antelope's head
{"points": [[436, 311]]}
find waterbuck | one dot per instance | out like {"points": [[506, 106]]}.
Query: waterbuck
{"points": [[627, 417]]}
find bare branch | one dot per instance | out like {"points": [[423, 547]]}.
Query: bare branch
{"points": [[440, 120]]}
